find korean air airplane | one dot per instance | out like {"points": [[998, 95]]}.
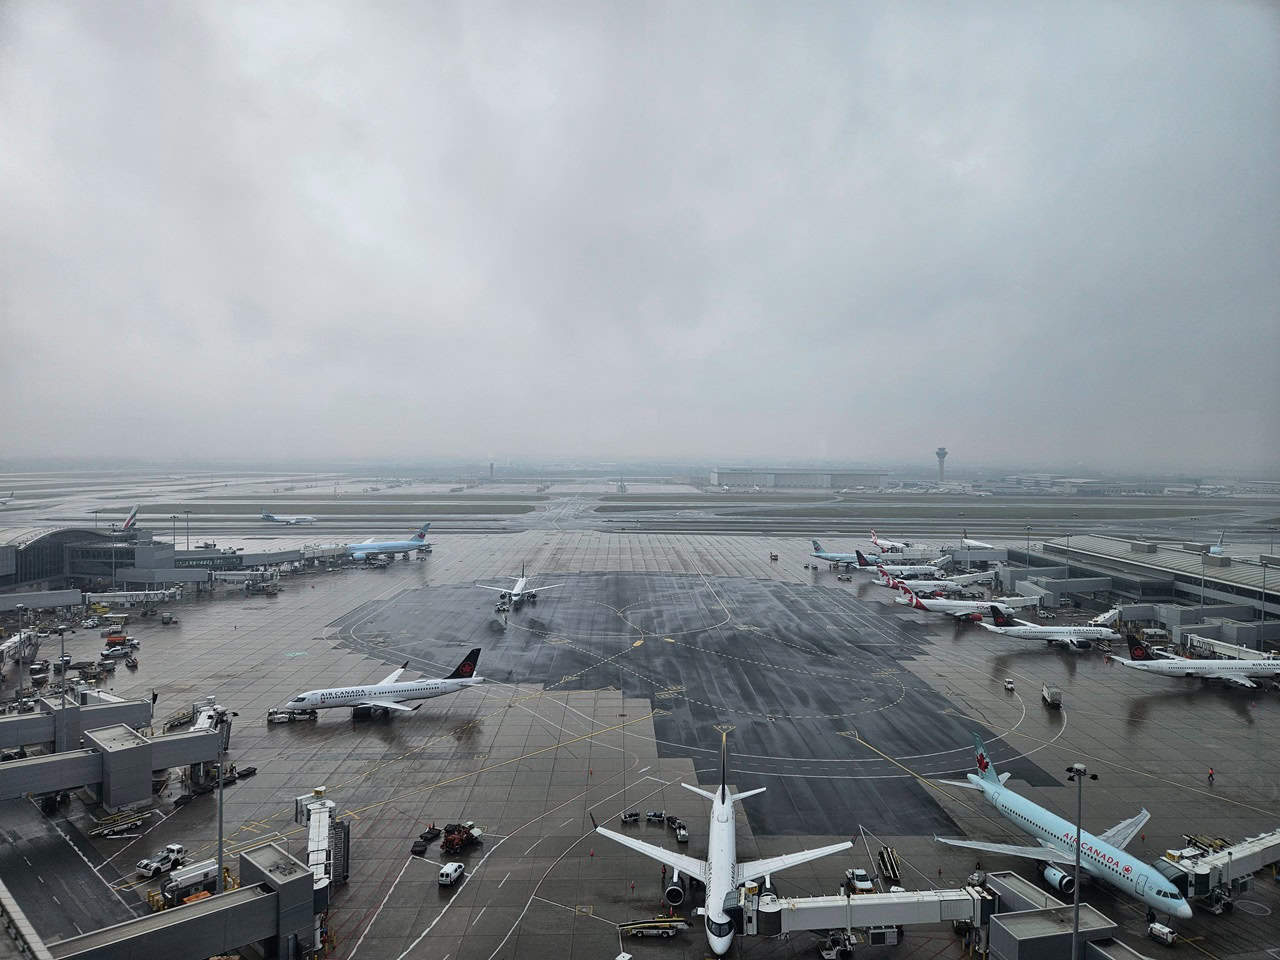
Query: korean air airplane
{"points": [[845, 559], [389, 548], [1102, 857], [720, 873]]}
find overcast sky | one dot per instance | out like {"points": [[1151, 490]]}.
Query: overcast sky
{"points": [[1034, 233]]}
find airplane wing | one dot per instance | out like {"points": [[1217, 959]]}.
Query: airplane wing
{"points": [[1125, 830], [1047, 854], [676, 861], [755, 869], [1239, 681], [387, 705], [485, 586], [394, 675], [540, 589]]}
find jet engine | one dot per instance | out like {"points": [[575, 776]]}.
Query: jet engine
{"points": [[1062, 882], [504, 595], [674, 893]]}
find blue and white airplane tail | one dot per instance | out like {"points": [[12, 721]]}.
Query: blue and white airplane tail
{"points": [[422, 531], [817, 547]]}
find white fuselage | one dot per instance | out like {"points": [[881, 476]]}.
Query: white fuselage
{"points": [[1225, 669], [273, 518], [917, 570], [1098, 858], [722, 869], [930, 586], [353, 696], [1031, 631], [957, 608], [849, 559], [363, 551], [889, 546]]}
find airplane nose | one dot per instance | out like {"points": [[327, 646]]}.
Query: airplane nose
{"points": [[1183, 911]]}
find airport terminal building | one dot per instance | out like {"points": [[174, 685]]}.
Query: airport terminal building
{"points": [[793, 478]]}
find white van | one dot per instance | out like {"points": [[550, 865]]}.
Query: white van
{"points": [[450, 874]]}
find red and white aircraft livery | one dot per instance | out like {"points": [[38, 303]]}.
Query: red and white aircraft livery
{"points": [[132, 518], [889, 546], [971, 610]]}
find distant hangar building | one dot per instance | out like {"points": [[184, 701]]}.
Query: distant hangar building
{"points": [[793, 478]]}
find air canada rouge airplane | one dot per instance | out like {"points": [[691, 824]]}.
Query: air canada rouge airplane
{"points": [[889, 546], [1102, 857], [720, 873]]}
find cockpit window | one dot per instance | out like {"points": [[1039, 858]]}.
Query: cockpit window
{"points": [[298, 700], [719, 929]]}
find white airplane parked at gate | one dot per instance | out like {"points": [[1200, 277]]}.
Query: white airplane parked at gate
{"points": [[889, 546], [276, 518], [1102, 857], [371, 549], [963, 609], [933, 569], [389, 694], [520, 591], [1077, 638], [1242, 673], [949, 586], [973, 544], [721, 873]]}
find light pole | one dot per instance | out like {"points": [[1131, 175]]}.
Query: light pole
{"points": [[1077, 772], [1028, 550], [1202, 556], [173, 517], [188, 513]]}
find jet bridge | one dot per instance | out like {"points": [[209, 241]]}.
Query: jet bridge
{"points": [[767, 915], [1212, 871]]}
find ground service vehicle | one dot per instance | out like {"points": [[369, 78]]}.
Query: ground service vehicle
{"points": [[1051, 696], [459, 836], [451, 873], [162, 861]]}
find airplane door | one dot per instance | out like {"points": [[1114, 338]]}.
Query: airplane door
{"points": [[1142, 885]]}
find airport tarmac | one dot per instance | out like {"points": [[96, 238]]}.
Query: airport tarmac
{"points": [[840, 702]]}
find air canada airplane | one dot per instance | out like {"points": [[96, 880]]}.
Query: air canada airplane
{"points": [[933, 569], [389, 548], [950, 586], [720, 873], [1240, 672], [389, 694], [275, 518], [520, 591], [1078, 638], [963, 609], [1102, 857]]}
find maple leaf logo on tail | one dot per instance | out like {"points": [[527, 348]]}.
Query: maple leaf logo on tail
{"points": [[982, 762], [467, 669]]}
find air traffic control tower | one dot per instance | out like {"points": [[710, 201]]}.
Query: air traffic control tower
{"points": [[941, 454]]}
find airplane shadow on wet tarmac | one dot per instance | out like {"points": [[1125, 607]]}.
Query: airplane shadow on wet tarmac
{"points": [[796, 669]]}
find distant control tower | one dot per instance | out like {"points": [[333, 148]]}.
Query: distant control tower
{"points": [[941, 454]]}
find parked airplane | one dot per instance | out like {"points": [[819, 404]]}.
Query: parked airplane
{"points": [[933, 569], [4, 501], [720, 873], [846, 559], [389, 694], [273, 518], [889, 546], [389, 548], [131, 519], [1101, 857], [1216, 549], [1078, 638], [964, 609], [1240, 672], [952, 585], [973, 544], [521, 591]]}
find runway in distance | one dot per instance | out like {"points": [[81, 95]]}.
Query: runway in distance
{"points": [[4, 501], [1101, 857], [720, 873], [389, 548], [1242, 673], [520, 591], [1078, 638], [389, 694], [276, 518]]}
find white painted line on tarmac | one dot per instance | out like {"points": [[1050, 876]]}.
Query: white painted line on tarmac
{"points": [[374, 918]]}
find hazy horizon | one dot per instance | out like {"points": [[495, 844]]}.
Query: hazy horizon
{"points": [[1040, 236]]}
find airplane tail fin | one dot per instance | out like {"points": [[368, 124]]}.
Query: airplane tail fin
{"points": [[1137, 649], [130, 520], [422, 531], [986, 769], [817, 547], [467, 668], [862, 561], [998, 618]]}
